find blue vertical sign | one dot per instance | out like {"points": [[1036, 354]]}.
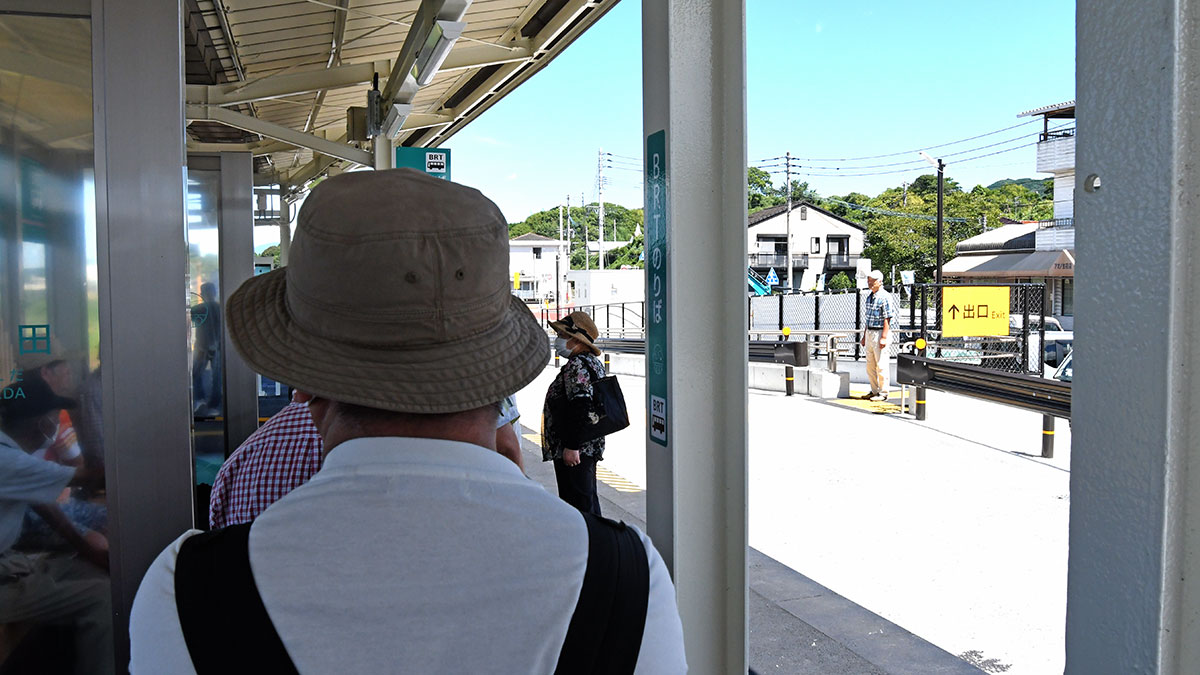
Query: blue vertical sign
{"points": [[657, 225]]}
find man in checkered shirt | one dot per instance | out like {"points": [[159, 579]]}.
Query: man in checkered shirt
{"points": [[286, 451], [278, 458], [879, 320]]}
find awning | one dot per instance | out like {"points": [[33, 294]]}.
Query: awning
{"points": [[1013, 265]]}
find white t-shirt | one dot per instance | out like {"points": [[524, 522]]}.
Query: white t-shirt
{"points": [[25, 480], [413, 555]]}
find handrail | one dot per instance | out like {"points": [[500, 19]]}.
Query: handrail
{"points": [[1028, 392]]}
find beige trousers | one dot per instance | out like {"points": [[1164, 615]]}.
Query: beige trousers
{"points": [[877, 362]]}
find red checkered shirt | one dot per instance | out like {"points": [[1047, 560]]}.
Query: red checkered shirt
{"points": [[278, 458]]}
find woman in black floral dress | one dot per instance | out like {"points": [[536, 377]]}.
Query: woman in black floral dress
{"points": [[568, 412]]}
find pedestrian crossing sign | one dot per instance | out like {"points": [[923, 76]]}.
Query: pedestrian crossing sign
{"points": [[772, 278]]}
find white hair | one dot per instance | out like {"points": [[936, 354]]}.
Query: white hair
{"points": [[875, 274]]}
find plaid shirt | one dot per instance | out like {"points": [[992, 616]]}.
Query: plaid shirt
{"points": [[278, 458], [879, 307]]}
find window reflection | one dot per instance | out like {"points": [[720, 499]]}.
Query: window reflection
{"points": [[55, 613]]}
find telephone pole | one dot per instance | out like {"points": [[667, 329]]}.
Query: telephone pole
{"points": [[558, 262], [787, 185], [600, 189]]}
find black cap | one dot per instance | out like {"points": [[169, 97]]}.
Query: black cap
{"points": [[30, 398]]}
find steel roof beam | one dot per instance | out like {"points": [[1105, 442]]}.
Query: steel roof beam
{"points": [[477, 56], [279, 132], [286, 84]]}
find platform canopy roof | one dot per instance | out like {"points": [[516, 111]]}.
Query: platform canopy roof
{"points": [[276, 77]]}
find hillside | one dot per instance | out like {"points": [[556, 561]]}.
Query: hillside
{"points": [[1042, 186]]}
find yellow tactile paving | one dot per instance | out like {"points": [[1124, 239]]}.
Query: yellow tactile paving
{"points": [[857, 400], [618, 483]]}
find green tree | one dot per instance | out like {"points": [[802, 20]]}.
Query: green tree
{"points": [[760, 192], [620, 224], [272, 251], [839, 282]]}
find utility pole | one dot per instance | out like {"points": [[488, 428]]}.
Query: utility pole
{"points": [[787, 181], [941, 167], [558, 263], [587, 258], [600, 189], [904, 184]]}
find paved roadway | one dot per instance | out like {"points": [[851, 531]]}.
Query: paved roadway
{"points": [[953, 528]]}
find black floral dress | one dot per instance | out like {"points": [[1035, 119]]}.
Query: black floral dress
{"points": [[572, 387]]}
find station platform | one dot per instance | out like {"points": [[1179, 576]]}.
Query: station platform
{"points": [[880, 544]]}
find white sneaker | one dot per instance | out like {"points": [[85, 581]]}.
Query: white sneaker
{"points": [[879, 397]]}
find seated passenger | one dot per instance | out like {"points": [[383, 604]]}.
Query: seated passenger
{"points": [[285, 452], [416, 548], [38, 589]]}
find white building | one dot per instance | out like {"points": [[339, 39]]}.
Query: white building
{"points": [[532, 260], [604, 287], [822, 243], [1039, 251]]}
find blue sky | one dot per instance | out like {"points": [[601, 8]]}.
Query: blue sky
{"points": [[825, 80]]}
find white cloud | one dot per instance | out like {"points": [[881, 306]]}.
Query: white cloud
{"points": [[818, 28], [511, 176]]}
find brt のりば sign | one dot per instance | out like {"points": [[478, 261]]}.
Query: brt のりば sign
{"points": [[657, 231], [974, 311]]}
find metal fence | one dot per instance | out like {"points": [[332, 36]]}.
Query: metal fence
{"points": [[1020, 351], [825, 311], [617, 319]]}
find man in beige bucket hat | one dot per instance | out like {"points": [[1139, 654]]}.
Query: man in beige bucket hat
{"points": [[416, 547]]}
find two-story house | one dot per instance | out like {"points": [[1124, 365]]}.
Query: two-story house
{"points": [[822, 243], [532, 262]]}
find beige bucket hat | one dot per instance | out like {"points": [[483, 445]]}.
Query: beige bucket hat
{"points": [[396, 296], [578, 325]]}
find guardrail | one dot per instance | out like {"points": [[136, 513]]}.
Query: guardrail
{"points": [[1051, 398], [792, 353]]}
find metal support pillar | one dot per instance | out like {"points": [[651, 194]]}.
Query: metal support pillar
{"points": [[382, 146], [235, 236], [142, 264], [694, 117], [1133, 582]]}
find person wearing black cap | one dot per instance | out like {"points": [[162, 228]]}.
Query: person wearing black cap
{"points": [[48, 590]]}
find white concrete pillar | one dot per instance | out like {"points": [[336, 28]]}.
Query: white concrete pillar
{"points": [[1133, 592], [694, 120]]}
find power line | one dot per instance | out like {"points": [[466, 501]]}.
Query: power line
{"points": [[903, 152], [885, 212]]}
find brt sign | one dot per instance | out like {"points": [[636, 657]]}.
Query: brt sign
{"points": [[974, 311]]}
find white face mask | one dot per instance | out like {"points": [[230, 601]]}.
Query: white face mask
{"points": [[560, 346]]}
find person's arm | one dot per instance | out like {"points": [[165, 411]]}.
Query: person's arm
{"points": [[509, 444], [92, 547]]}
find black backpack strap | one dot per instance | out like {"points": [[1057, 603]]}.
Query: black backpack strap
{"points": [[224, 622], [605, 634]]}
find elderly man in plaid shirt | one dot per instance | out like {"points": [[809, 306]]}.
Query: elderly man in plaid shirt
{"points": [[286, 451], [880, 317]]}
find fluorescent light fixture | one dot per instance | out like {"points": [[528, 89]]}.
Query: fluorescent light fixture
{"points": [[435, 50], [395, 119], [927, 158]]}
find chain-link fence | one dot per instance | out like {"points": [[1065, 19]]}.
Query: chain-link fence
{"points": [[840, 313], [1018, 351]]}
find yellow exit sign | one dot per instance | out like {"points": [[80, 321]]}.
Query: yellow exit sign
{"points": [[974, 311]]}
